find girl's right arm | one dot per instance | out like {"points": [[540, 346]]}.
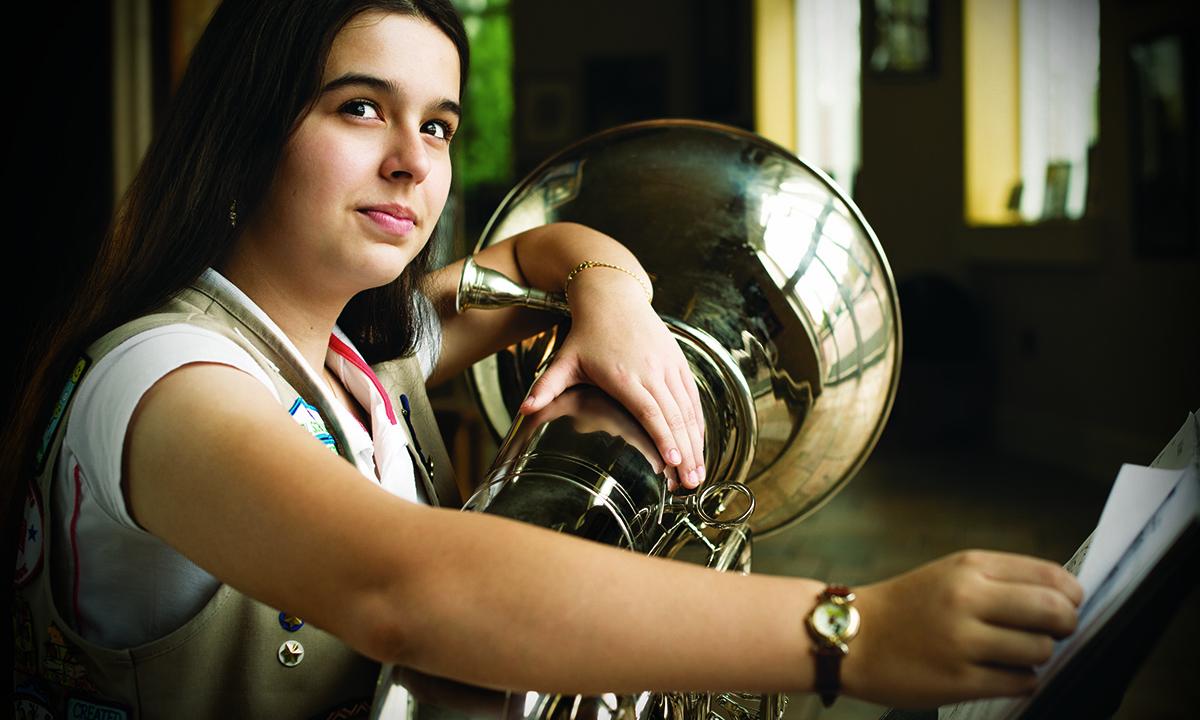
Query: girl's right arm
{"points": [[217, 471]]}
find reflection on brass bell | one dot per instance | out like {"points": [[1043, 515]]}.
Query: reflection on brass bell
{"points": [[291, 653], [766, 273]]}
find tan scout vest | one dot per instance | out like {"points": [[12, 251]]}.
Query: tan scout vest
{"points": [[228, 660]]}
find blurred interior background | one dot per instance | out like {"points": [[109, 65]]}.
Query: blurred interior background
{"points": [[1030, 167]]}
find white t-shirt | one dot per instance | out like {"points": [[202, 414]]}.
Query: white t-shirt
{"points": [[124, 586]]}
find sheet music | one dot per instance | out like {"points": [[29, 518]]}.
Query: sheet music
{"points": [[1182, 450], [1136, 495], [1147, 510]]}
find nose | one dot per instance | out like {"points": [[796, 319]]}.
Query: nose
{"points": [[406, 157]]}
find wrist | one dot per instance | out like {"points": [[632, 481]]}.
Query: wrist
{"points": [[593, 279], [855, 666], [832, 624]]}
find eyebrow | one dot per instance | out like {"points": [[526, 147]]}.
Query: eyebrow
{"points": [[384, 86]]}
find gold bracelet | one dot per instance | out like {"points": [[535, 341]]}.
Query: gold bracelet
{"points": [[592, 263]]}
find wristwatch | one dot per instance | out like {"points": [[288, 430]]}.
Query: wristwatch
{"points": [[832, 624]]}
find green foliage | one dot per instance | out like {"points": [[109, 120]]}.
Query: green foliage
{"points": [[483, 144]]}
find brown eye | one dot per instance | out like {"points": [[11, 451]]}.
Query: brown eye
{"points": [[440, 129], [361, 108]]}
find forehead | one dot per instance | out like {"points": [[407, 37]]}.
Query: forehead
{"points": [[407, 50]]}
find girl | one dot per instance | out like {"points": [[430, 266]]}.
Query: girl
{"points": [[198, 528]]}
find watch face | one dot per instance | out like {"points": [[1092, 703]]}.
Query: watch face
{"points": [[835, 621]]}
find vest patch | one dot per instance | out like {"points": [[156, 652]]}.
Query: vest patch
{"points": [[59, 408], [61, 664], [29, 704], [80, 709], [29, 543], [24, 647], [349, 710], [310, 419]]}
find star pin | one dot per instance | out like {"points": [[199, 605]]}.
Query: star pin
{"points": [[291, 653]]}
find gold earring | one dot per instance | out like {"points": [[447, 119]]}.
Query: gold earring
{"points": [[233, 214]]}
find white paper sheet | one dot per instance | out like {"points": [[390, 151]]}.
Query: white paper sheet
{"points": [[1136, 495]]}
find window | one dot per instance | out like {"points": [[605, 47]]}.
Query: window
{"points": [[827, 87], [807, 70], [1031, 73]]}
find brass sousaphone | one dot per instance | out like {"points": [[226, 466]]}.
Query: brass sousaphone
{"points": [[783, 302]]}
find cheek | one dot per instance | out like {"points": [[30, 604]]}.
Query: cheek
{"points": [[439, 184], [317, 173]]}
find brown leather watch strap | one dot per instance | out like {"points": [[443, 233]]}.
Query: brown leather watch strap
{"points": [[837, 591], [828, 653], [829, 673]]}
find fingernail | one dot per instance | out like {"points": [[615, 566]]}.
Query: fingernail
{"points": [[528, 401], [700, 470], [673, 456], [691, 479]]}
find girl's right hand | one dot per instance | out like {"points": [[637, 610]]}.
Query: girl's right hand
{"points": [[970, 625]]}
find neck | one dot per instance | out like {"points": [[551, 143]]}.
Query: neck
{"points": [[303, 312]]}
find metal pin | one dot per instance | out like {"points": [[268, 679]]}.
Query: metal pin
{"points": [[291, 653]]}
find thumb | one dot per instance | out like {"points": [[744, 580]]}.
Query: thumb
{"points": [[560, 375]]}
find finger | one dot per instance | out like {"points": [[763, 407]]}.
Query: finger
{"points": [[638, 400], [1000, 681], [689, 382], [688, 436], [1023, 606], [1012, 648], [691, 423], [1009, 567], [678, 433], [553, 381]]}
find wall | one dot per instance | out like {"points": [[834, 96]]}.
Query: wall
{"points": [[910, 184], [1091, 350], [1100, 363], [701, 46]]}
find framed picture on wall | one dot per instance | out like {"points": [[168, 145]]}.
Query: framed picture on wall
{"points": [[1163, 146], [899, 38]]}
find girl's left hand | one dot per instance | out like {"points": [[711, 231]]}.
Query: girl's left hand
{"points": [[618, 343]]}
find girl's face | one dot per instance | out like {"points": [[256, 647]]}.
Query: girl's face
{"points": [[364, 177]]}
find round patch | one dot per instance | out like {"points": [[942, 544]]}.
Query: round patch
{"points": [[29, 703], [29, 543], [32, 709]]}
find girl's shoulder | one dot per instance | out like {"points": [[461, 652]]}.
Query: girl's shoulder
{"points": [[112, 388]]}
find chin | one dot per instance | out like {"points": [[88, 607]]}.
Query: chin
{"points": [[379, 271]]}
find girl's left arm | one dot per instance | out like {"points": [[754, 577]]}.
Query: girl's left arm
{"points": [[617, 342]]}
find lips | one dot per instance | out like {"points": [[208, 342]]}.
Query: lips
{"points": [[392, 219]]}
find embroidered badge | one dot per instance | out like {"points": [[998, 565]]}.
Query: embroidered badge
{"points": [[310, 419], [24, 650], [29, 543], [30, 704], [89, 709], [349, 710], [61, 665], [59, 409]]}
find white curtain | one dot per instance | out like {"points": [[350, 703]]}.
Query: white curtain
{"points": [[827, 86]]}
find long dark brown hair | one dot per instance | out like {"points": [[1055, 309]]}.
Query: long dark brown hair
{"points": [[253, 75]]}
